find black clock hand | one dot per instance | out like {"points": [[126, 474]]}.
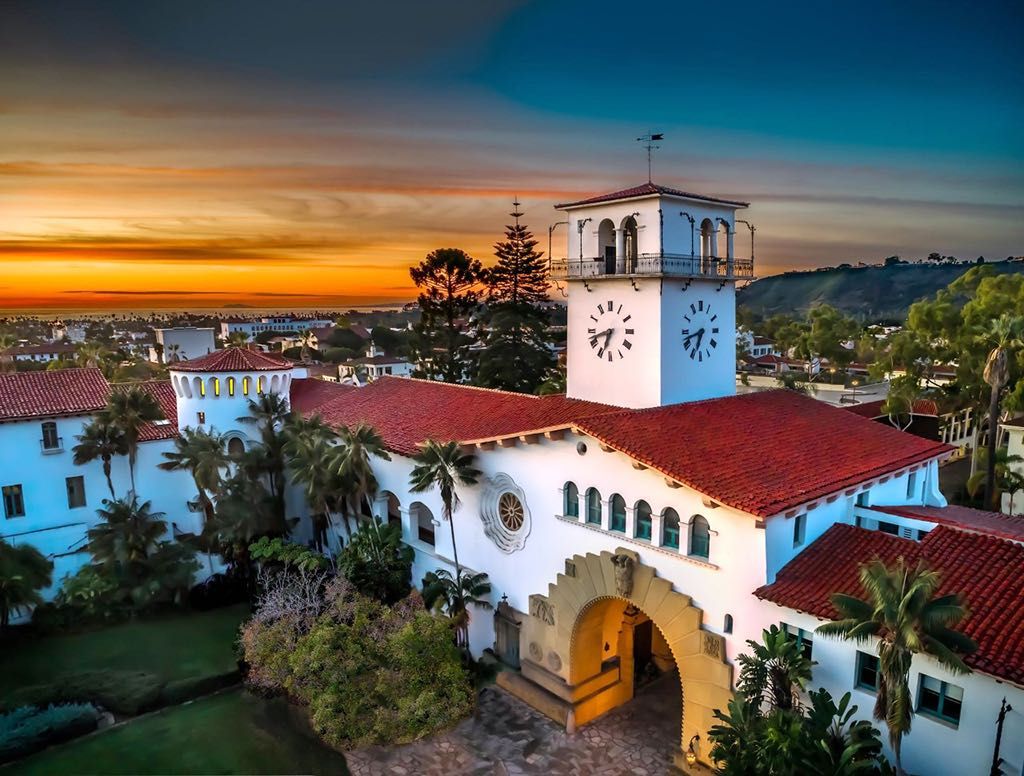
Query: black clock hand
{"points": [[608, 336]]}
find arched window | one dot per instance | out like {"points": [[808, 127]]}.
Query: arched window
{"points": [[394, 510], [215, 381], [670, 529], [231, 386], [643, 520], [259, 385], [245, 386], [700, 537], [594, 506], [727, 627], [618, 518], [236, 446], [424, 522], [571, 508]]}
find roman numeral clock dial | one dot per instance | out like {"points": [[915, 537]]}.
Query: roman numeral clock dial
{"points": [[700, 331], [611, 331]]}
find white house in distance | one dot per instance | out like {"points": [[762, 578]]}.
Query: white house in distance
{"points": [[651, 516], [181, 343], [374, 365], [280, 323]]}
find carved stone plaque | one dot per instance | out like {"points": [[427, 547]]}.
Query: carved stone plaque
{"points": [[536, 653], [542, 609], [570, 568], [554, 661], [624, 566], [712, 645]]}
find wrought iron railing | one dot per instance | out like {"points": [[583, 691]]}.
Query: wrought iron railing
{"points": [[678, 265]]}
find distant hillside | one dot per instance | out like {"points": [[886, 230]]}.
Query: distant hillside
{"points": [[867, 293]]}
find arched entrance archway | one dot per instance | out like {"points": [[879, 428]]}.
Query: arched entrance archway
{"points": [[564, 637]]}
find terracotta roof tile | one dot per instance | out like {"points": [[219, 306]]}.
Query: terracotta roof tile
{"points": [[985, 570], [407, 412], [232, 360], [647, 190], [26, 395], [307, 395], [991, 523], [163, 392], [718, 447]]}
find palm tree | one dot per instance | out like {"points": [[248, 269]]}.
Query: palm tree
{"points": [[306, 338], [1003, 467], [173, 353], [1013, 482], [311, 462], [24, 571], [92, 354], [126, 537], [904, 613], [453, 596], [1003, 334], [203, 455], [774, 671], [101, 440], [7, 341], [130, 409], [237, 339], [443, 465], [352, 460], [270, 412]]}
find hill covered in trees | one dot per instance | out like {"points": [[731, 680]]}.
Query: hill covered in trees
{"points": [[868, 293]]}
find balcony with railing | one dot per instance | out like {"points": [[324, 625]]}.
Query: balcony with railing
{"points": [[49, 445], [654, 264]]}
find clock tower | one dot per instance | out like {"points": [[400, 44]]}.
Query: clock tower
{"points": [[652, 296]]}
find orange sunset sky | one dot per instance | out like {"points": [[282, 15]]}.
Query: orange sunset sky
{"points": [[154, 156]]}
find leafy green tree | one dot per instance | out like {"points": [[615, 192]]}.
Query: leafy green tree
{"points": [[829, 330], [24, 572], [129, 409], [237, 339], [288, 554], [899, 402], [377, 562], [453, 595], [449, 281], [774, 671], [202, 454], [100, 440], [311, 453], [516, 354], [244, 513], [904, 613]]}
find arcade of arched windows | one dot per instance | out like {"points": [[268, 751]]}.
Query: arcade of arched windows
{"points": [[191, 387], [665, 529]]}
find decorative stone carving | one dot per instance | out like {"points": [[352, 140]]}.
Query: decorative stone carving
{"points": [[570, 567], [542, 609], [536, 653], [624, 566], [504, 513], [554, 661], [712, 645]]}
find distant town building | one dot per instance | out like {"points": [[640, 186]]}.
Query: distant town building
{"points": [[40, 353], [72, 333], [181, 343], [373, 366], [283, 323]]}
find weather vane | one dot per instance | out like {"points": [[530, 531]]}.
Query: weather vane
{"points": [[649, 143]]}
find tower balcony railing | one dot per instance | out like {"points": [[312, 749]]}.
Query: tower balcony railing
{"points": [[658, 264]]}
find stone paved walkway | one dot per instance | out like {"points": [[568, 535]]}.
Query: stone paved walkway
{"points": [[507, 737]]}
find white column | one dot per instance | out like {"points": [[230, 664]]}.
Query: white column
{"points": [[730, 256], [630, 522], [656, 536], [620, 251], [713, 250]]}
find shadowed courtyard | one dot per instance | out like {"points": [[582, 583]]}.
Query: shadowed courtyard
{"points": [[506, 736]]}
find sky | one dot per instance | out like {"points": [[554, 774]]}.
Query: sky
{"points": [[285, 155]]}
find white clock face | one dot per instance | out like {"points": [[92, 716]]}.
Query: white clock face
{"points": [[611, 331], [700, 331]]}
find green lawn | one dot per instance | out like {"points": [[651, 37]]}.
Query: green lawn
{"points": [[233, 732], [173, 647]]}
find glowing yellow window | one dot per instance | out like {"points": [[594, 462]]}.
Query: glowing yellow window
{"points": [[231, 386], [245, 386], [216, 386], [202, 387], [259, 385]]}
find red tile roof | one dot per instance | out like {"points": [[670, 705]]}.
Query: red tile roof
{"points": [[977, 520], [232, 360], [26, 395], [163, 392], [647, 190], [407, 412], [985, 570], [762, 453], [873, 409], [307, 395]]}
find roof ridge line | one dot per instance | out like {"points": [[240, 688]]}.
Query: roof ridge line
{"points": [[461, 385]]}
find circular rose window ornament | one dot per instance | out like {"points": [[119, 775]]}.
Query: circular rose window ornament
{"points": [[504, 513]]}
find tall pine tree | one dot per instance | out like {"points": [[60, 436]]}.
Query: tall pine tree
{"points": [[449, 281], [516, 356]]}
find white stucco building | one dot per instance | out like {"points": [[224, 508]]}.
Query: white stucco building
{"points": [[181, 343], [281, 323], [651, 516]]}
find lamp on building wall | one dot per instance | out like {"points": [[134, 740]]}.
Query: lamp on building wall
{"points": [[692, 221], [691, 751], [579, 225], [750, 226]]}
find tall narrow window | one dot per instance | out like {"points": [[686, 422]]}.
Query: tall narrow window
{"points": [[231, 386], [394, 510], [618, 516], [216, 386], [76, 491], [245, 386], [727, 625], [50, 439], [14, 501], [643, 520], [594, 506], [571, 508], [912, 485], [799, 528], [804, 639], [259, 385], [670, 529], [867, 672], [700, 537]]}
